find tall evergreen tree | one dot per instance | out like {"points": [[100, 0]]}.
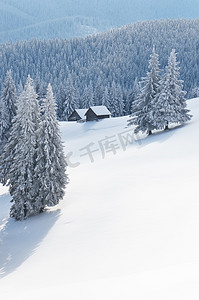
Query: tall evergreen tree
{"points": [[18, 158], [119, 102], [19, 88], [8, 107], [113, 99], [50, 163], [40, 87], [169, 106], [132, 96], [98, 94], [60, 101], [116, 100], [142, 114], [88, 97], [106, 98], [69, 100], [77, 98]]}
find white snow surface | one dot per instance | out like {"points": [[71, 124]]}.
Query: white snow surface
{"points": [[128, 227]]}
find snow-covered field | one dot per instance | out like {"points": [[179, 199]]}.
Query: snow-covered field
{"points": [[128, 227]]}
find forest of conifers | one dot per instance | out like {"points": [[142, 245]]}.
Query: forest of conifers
{"points": [[120, 56]]}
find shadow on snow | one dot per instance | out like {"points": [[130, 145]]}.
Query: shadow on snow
{"points": [[158, 136], [20, 239]]}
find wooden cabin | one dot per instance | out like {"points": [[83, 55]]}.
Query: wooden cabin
{"points": [[78, 115], [95, 113]]}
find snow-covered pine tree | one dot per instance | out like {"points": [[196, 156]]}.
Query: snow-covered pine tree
{"points": [[18, 158], [142, 114], [4, 124], [98, 92], [50, 163], [193, 93], [106, 98], [88, 97], [119, 102], [60, 100], [8, 107], [169, 106], [116, 100], [69, 101], [19, 88], [40, 87], [77, 98], [132, 96], [113, 99]]}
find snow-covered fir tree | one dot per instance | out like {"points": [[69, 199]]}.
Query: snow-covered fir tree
{"points": [[106, 98], [18, 158], [77, 98], [40, 87], [169, 106], [98, 94], [7, 106], [132, 96], [88, 97], [112, 99], [50, 162], [68, 99], [33, 163], [116, 100], [120, 102], [142, 114], [60, 100], [194, 93], [4, 124], [19, 88]]}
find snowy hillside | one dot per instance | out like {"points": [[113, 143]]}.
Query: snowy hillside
{"points": [[128, 227]]}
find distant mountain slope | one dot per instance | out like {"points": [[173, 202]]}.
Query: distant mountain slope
{"points": [[17, 14], [12, 18], [67, 27], [22, 20]]}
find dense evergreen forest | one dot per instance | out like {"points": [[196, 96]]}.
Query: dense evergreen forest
{"points": [[100, 61]]}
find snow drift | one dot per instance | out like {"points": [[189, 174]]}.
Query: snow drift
{"points": [[128, 227]]}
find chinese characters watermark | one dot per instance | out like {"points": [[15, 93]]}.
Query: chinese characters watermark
{"points": [[109, 144]]}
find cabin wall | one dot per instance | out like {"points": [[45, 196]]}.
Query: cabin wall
{"points": [[74, 117], [91, 116], [103, 117]]}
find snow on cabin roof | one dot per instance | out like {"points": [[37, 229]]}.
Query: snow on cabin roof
{"points": [[100, 110], [81, 112]]}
